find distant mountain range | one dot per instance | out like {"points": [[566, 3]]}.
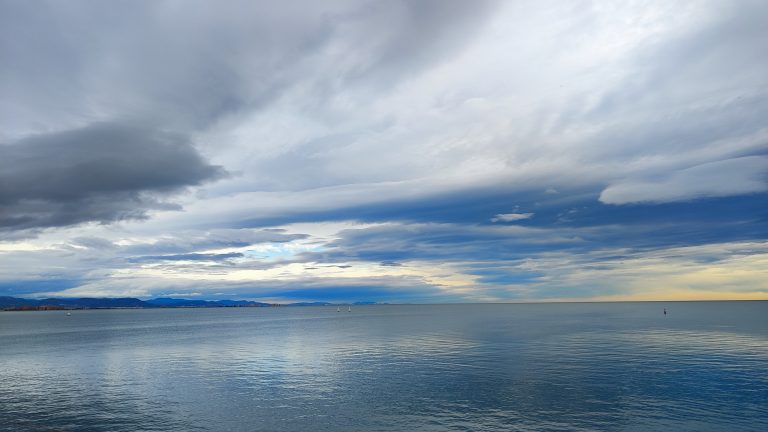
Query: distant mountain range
{"points": [[172, 302], [15, 303]]}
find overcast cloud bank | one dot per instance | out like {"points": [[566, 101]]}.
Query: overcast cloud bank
{"points": [[396, 151]]}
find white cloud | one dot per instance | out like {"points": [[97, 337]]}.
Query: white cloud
{"points": [[715, 179], [511, 217]]}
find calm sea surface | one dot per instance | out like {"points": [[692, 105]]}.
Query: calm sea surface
{"points": [[609, 367]]}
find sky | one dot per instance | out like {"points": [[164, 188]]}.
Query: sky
{"points": [[399, 151]]}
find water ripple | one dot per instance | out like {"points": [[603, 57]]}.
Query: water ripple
{"points": [[612, 367]]}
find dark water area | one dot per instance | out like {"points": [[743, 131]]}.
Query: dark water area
{"points": [[519, 367]]}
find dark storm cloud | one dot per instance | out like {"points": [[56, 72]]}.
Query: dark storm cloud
{"points": [[102, 173]]}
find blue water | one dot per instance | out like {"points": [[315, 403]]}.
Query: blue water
{"points": [[548, 367]]}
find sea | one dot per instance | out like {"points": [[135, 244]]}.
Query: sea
{"points": [[470, 367]]}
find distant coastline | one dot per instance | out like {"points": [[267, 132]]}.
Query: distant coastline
{"points": [[11, 304], [47, 304]]}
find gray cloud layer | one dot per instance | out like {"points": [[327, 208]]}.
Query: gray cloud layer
{"points": [[91, 89], [186, 64], [488, 132], [102, 172]]}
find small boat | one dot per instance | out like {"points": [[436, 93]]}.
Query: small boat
{"points": [[69, 313], [349, 309], [338, 309]]}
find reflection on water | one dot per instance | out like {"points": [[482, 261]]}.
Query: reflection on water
{"points": [[390, 368]]}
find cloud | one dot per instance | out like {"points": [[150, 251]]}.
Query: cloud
{"points": [[187, 65], [346, 289], [188, 242], [722, 178], [190, 257], [403, 243], [511, 217], [99, 173], [91, 242], [341, 135]]}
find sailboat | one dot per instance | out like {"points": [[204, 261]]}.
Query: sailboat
{"points": [[338, 309], [349, 309]]}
